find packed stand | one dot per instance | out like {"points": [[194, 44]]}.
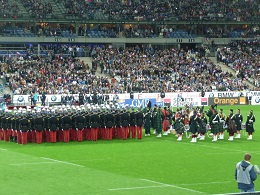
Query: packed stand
{"points": [[39, 9], [9, 9], [51, 74], [150, 70], [208, 10], [243, 57], [238, 31]]}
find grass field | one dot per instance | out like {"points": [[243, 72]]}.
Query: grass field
{"points": [[148, 166]]}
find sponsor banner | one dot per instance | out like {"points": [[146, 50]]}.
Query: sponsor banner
{"points": [[252, 93], [167, 95], [140, 102], [227, 100], [225, 94], [49, 98], [146, 95], [204, 101], [255, 100], [180, 102]]}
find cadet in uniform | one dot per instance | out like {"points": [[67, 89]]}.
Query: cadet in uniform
{"points": [[66, 124], [139, 123], [53, 125], [39, 127], [80, 124], [109, 125], [94, 125], [133, 123], [24, 124]]}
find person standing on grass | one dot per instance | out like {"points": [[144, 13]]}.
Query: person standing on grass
{"points": [[222, 119], [147, 121], [158, 116], [245, 175], [202, 126], [194, 124], [238, 120], [250, 124], [139, 123], [230, 121]]}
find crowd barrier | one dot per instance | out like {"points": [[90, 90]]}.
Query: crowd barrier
{"points": [[176, 99]]}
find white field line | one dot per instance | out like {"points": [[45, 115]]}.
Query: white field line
{"points": [[256, 192], [174, 186], [134, 188], [63, 162], [206, 183], [35, 163], [215, 147], [2, 149], [95, 159]]}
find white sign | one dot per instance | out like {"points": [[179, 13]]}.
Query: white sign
{"points": [[255, 100], [225, 94]]}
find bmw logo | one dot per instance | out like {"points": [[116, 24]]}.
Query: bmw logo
{"points": [[53, 98], [257, 100], [20, 99], [211, 95]]}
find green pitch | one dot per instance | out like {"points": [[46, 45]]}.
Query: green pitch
{"points": [[148, 166]]}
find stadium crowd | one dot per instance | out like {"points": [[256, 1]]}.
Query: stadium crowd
{"points": [[149, 70], [135, 69], [235, 10], [9, 9], [182, 10], [38, 8], [243, 57]]}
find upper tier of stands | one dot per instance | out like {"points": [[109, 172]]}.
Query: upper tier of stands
{"points": [[139, 10]]}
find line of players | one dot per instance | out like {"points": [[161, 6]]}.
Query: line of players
{"points": [[71, 123], [195, 122]]}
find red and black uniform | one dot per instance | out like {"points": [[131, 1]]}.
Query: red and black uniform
{"points": [[73, 132], [87, 130], [109, 123], [1, 128], [53, 125], [118, 127], [102, 126], [94, 123], [125, 124], [45, 133], [16, 130], [39, 128], [139, 123], [24, 125], [66, 124], [230, 121], [59, 132], [166, 119], [6, 128], [80, 125], [133, 124]]}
